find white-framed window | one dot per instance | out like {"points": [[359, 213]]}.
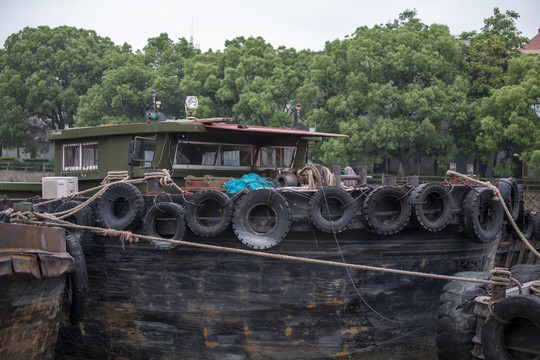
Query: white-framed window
{"points": [[80, 156]]}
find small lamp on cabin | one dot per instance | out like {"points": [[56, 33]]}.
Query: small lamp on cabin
{"points": [[191, 104]]}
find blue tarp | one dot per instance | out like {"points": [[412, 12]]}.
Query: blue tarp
{"points": [[250, 182]]}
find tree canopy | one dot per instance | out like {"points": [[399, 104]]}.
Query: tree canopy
{"points": [[401, 90]]}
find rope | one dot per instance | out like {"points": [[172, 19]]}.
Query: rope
{"points": [[535, 288], [501, 200], [28, 218]]}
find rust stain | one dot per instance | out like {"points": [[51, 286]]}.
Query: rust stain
{"points": [[211, 344], [341, 354], [353, 330], [246, 331], [328, 303], [364, 328], [205, 332], [288, 331], [424, 261]]}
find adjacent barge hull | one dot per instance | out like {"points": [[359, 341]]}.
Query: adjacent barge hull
{"points": [[193, 303], [33, 268]]}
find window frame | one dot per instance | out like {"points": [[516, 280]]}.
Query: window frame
{"points": [[80, 158]]}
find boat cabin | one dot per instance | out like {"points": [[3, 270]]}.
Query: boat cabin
{"points": [[195, 147]]}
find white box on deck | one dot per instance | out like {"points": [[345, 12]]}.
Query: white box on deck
{"points": [[54, 187]]}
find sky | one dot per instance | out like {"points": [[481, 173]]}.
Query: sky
{"points": [[300, 24]]}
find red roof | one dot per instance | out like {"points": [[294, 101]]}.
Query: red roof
{"points": [[269, 130], [534, 44]]}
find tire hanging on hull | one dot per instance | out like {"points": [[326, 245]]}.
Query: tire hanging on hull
{"points": [[482, 216], [78, 280], [84, 217], [432, 207], [456, 321], [121, 207], [332, 209], [262, 218], [386, 210], [208, 213], [510, 192], [164, 212], [503, 329]]}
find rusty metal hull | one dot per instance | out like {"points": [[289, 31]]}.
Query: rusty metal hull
{"points": [[33, 268], [194, 303]]}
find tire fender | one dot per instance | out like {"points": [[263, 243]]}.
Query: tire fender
{"points": [[262, 218], [121, 207], [333, 199], [482, 216], [78, 280], [84, 217], [212, 203], [515, 312], [432, 207], [508, 187], [383, 201], [164, 210], [456, 321]]}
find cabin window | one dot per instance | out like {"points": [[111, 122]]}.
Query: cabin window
{"points": [[276, 157], [142, 151], [235, 156], [82, 156]]}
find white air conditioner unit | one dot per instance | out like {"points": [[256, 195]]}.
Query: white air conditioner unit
{"points": [[54, 187]]}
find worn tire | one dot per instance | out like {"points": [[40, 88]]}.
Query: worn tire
{"points": [[262, 218], [525, 223], [508, 187], [84, 217], [121, 207], [525, 272], [161, 211], [482, 216], [536, 219], [512, 317], [432, 207], [328, 201], [385, 200], [206, 204], [456, 322], [78, 280]]}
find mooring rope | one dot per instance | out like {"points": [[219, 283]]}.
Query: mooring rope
{"points": [[29, 218]]}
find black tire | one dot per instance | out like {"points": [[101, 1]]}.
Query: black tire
{"points": [[508, 187], [121, 207], [456, 321], [78, 280], [482, 216], [84, 217], [387, 210], [262, 218], [525, 272], [165, 211], [432, 207], [536, 219], [208, 213], [332, 209], [525, 223], [514, 321]]}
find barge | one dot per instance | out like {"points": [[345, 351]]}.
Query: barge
{"points": [[213, 271]]}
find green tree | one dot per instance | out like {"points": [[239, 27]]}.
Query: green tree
{"points": [[50, 69], [509, 117], [394, 89]]}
